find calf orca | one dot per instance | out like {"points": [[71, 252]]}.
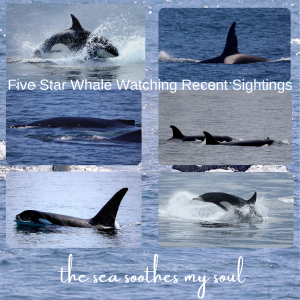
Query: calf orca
{"points": [[225, 201], [231, 54], [105, 218], [77, 122], [75, 39], [133, 136], [210, 140], [177, 135]]}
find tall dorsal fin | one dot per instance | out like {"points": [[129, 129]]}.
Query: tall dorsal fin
{"points": [[209, 139], [176, 133], [75, 23], [231, 46], [252, 200], [107, 215]]}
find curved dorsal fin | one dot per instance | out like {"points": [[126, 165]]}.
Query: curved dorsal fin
{"points": [[231, 46], [107, 215], [209, 139], [75, 23], [252, 200], [176, 133]]}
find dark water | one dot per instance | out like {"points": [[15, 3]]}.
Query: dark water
{"points": [[49, 146], [199, 34]]}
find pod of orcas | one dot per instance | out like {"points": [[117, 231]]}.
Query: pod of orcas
{"points": [[75, 39], [231, 55], [77, 122], [218, 140], [210, 140], [104, 219], [177, 135], [228, 201]]}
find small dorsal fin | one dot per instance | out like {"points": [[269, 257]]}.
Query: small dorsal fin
{"points": [[75, 23], [107, 215], [231, 46], [209, 139], [176, 133], [252, 200]]}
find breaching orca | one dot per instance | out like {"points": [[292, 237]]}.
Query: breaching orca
{"points": [[177, 135], [105, 218], [210, 140], [75, 39], [225, 201], [78, 122], [133, 136], [231, 54]]}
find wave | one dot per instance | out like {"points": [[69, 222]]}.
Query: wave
{"points": [[2, 150], [164, 56], [181, 205], [131, 51]]}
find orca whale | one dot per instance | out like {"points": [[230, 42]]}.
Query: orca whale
{"points": [[177, 135], [104, 219], [133, 136], [210, 140], [78, 122], [75, 39], [231, 55], [225, 201]]}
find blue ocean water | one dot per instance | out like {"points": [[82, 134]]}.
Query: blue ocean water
{"points": [[269, 273], [69, 146], [122, 24], [200, 34]]}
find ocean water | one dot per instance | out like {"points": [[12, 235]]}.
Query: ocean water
{"points": [[124, 25], [200, 34], [80, 195], [269, 273], [184, 222], [69, 146], [240, 115]]}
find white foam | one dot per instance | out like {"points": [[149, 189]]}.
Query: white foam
{"points": [[164, 56]]}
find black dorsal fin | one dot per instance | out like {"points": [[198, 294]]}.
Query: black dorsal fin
{"points": [[252, 200], [107, 215], [231, 46], [209, 139], [75, 23], [176, 133]]}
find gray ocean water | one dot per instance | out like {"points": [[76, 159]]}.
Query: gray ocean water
{"points": [[270, 273], [184, 222], [240, 115]]}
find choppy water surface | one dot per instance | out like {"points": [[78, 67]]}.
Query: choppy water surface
{"points": [[184, 222], [200, 34], [269, 272], [45, 146], [123, 25]]}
